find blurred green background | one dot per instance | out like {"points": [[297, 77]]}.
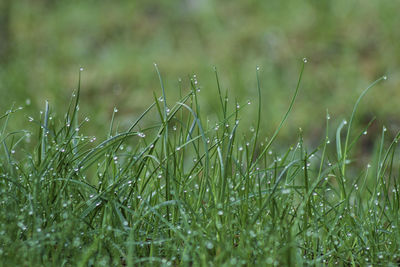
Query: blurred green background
{"points": [[348, 44]]}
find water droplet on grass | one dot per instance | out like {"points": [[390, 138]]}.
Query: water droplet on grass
{"points": [[305, 60], [285, 191]]}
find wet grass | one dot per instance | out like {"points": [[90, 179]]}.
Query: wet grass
{"points": [[188, 190]]}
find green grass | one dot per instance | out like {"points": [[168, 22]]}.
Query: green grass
{"points": [[49, 40], [189, 190]]}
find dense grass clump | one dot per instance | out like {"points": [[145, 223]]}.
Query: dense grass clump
{"points": [[189, 191]]}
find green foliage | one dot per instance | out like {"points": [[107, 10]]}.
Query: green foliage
{"points": [[190, 190], [348, 44]]}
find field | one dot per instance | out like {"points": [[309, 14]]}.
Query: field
{"points": [[199, 133]]}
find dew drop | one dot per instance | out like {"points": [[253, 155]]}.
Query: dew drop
{"points": [[305, 60], [209, 245]]}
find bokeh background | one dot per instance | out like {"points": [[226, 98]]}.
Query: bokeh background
{"points": [[348, 44]]}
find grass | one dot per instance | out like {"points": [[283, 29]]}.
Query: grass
{"points": [[48, 42], [190, 191]]}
